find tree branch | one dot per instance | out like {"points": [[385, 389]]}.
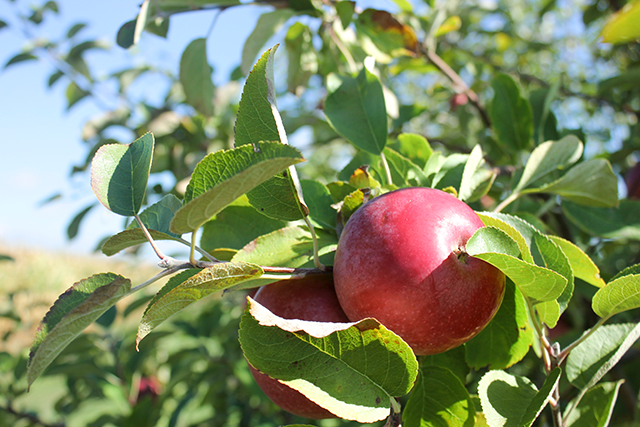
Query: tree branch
{"points": [[27, 416]]}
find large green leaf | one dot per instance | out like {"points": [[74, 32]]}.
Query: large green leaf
{"points": [[119, 174], [514, 227], [191, 286], [268, 24], [495, 247], [591, 183], [319, 202], [622, 222], [453, 360], [364, 365], [511, 114], [223, 176], [467, 184], [596, 355], [74, 310], [414, 147], [548, 157], [619, 295], [195, 77], [403, 171], [595, 408], [289, 247], [507, 338], [235, 226], [623, 26], [438, 399], [514, 401], [258, 120], [355, 108], [583, 267]]}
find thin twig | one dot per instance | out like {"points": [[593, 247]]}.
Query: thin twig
{"points": [[29, 417], [459, 85], [160, 275]]}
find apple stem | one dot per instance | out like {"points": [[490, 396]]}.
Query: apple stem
{"points": [[387, 171], [316, 250]]}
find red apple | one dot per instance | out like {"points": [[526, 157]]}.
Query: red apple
{"points": [[311, 298], [401, 259]]}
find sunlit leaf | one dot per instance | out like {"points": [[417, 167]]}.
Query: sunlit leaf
{"points": [[548, 157], [223, 176], [623, 26], [583, 267], [619, 295], [514, 401], [268, 24], [191, 286], [364, 364]]}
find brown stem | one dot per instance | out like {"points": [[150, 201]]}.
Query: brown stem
{"points": [[458, 84]]}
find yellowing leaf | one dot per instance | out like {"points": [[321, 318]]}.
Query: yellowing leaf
{"points": [[623, 26]]}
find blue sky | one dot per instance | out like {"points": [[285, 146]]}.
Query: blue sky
{"points": [[41, 141]]}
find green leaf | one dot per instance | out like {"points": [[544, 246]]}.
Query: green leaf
{"points": [[223, 176], [513, 227], [259, 120], [491, 239], [467, 184], [21, 57], [591, 183], [119, 174], [268, 25], [288, 247], [595, 356], [74, 226], [449, 171], [453, 360], [75, 29], [438, 398], [583, 267], [549, 255], [189, 287], [6, 258], [595, 408], [622, 27], [545, 123], [548, 157], [498, 249], [345, 10], [364, 365], [507, 338], [414, 147], [389, 35], [403, 171], [131, 237], [319, 202], [303, 58], [74, 310], [195, 77], [235, 226], [75, 94], [536, 283], [511, 114], [624, 81], [622, 222], [126, 34], [159, 215], [514, 401], [355, 108], [633, 269], [619, 295]]}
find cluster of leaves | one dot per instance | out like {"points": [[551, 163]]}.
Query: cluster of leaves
{"points": [[541, 268], [554, 209]]}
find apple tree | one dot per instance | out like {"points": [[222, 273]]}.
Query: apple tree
{"points": [[463, 98]]}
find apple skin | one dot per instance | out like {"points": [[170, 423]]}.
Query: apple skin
{"points": [[401, 260], [310, 298]]}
